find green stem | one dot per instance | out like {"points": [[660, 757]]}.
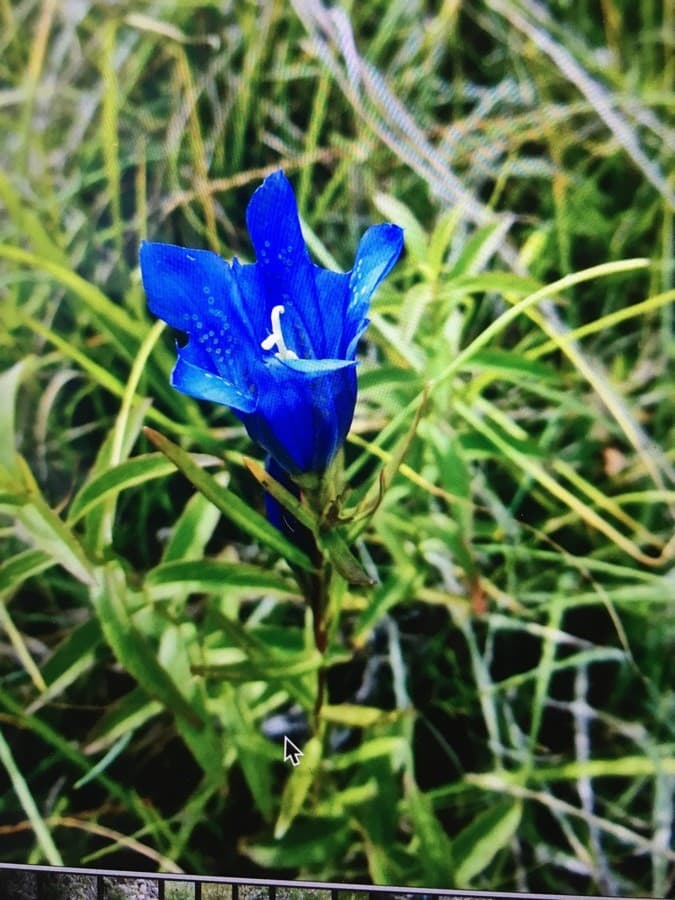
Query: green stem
{"points": [[315, 589], [316, 585], [321, 493]]}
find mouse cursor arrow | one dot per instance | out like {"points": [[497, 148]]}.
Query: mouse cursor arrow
{"points": [[291, 752]]}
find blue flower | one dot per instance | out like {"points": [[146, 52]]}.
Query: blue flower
{"points": [[274, 340]]}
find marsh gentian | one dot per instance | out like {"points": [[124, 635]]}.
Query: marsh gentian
{"points": [[274, 340]]}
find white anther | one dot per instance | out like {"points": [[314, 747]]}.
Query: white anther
{"points": [[276, 339]]}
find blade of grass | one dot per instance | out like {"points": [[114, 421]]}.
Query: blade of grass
{"points": [[527, 464], [595, 93], [101, 306], [17, 641], [603, 323], [109, 135], [38, 49], [545, 293], [97, 373], [22, 791]]}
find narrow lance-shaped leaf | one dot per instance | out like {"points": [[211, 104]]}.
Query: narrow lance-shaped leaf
{"points": [[298, 785], [230, 505], [132, 649]]}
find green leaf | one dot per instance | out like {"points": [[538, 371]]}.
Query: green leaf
{"points": [[28, 222], [130, 712], [495, 283], [380, 826], [476, 846], [392, 748], [413, 307], [14, 571], [101, 306], [194, 527], [379, 381], [256, 755], [282, 495], [456, 530], [480, 247], [435, 850], [339, 802], [113, 481], [388, 863], [100, 516], [265, 670], [310, 844], [622, 767], [75, 655], [137, 656], [9, 386], [30, 807], [352, 715], [440, 239], [106, 762], [131, 648], [258, 653], [10, 499], [507, 363], [179, 647], [209, 575], [335, 547], [40, 526], [230, 505], [387, 474], [18, 642], [297, 787], [397, 344]]}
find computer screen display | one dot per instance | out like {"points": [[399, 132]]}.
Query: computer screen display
{"points": [[336, 449]]}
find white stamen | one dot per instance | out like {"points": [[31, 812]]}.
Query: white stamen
{"points": [[277, 338]]}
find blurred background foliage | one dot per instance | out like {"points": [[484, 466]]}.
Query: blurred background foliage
{"points": [[501, 704]]}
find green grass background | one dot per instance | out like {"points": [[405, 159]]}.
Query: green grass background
{"points": [[501, 705]]}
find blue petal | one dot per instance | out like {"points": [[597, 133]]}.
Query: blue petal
{"points": [[252, 295], [302, 421], [314, 368], [378, 251], [204, 385], [299, 410], [197, 292], [286, 269], [181, 283], [333, 291]]}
